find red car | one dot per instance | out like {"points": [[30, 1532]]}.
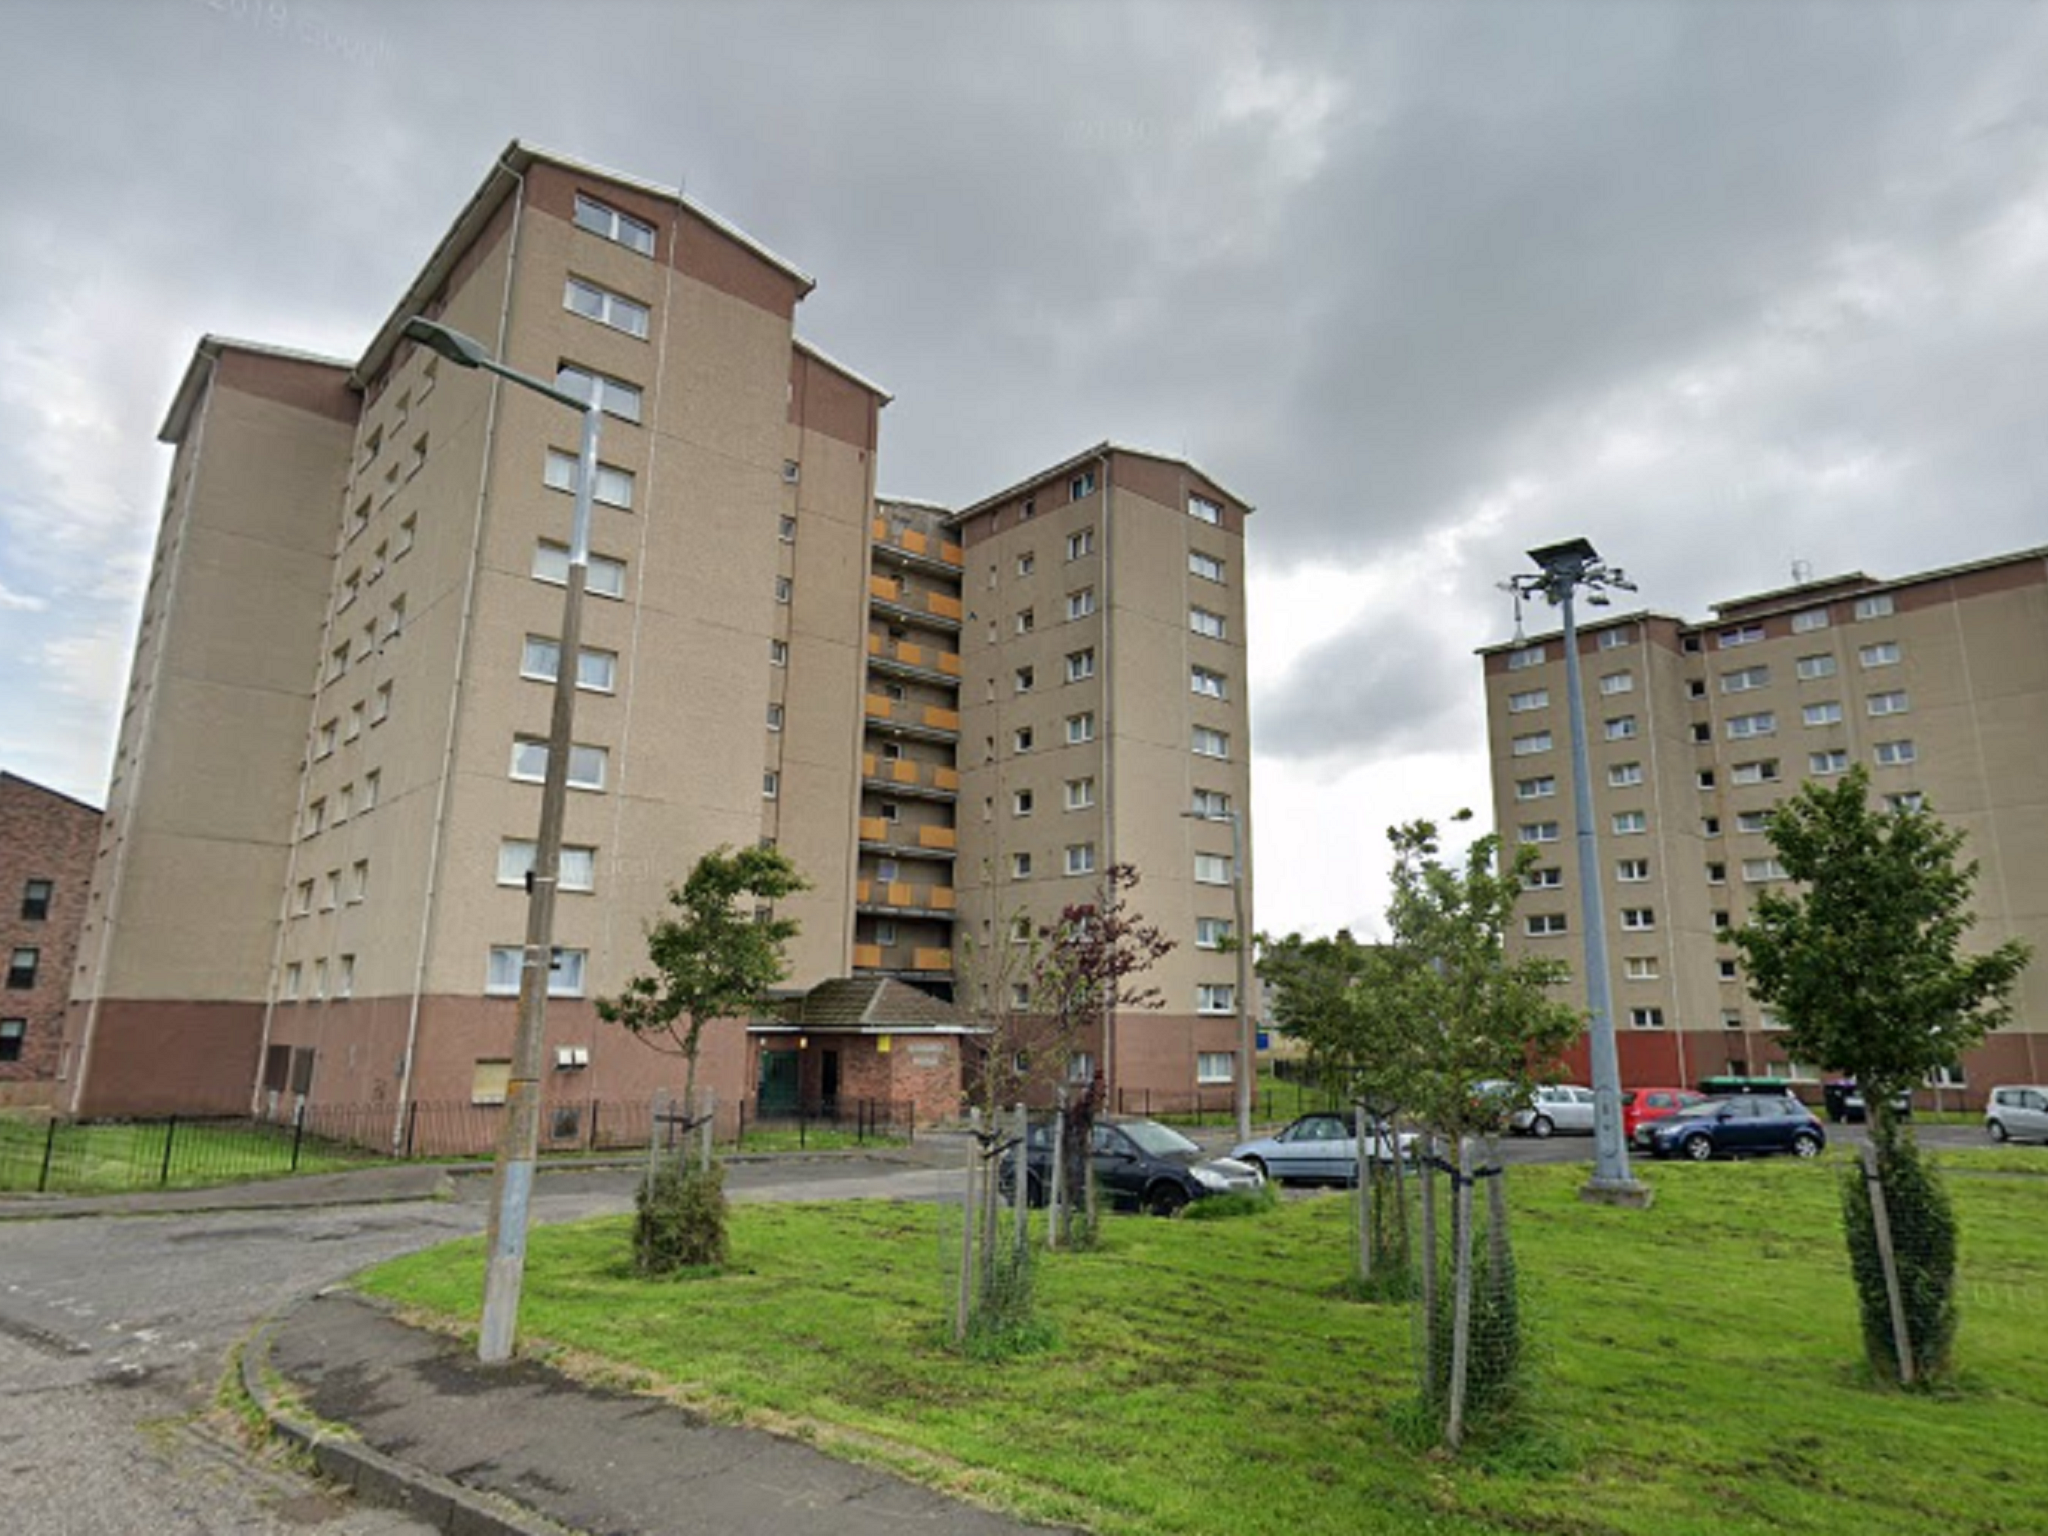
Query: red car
{"points": [[1639, 1106]]}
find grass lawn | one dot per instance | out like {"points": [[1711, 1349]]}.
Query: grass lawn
{"points": [[1699, 1370], [93, 1158]]}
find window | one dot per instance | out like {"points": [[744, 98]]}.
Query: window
{"points": [[1702, 732], [775, 717], [1632, 871], [1543, 925], [1878, 607], [1622, 775], [1618, 682], [1025, 677], [1020, 866], [358, 881], [1890, 754], [1550, 878], [1211, 932], [576, 872], [888, 871], [1020, 739], [1535, 789], [1211, 804], [1212, 869], [1813, 668], [350, 590], [1747, 679], [394, 618], [1620, 728], [1638, 919], [1080, 728], [1208, 567], [1080, 604], [288, 989], [1539, 832], [1695, 687], [1720, 922], [1646, 1018], [1614, 639], [891, 812], [614, 487], [604, 578], [1020, 994], [1020, 802], [1203, 622], [323, 740], [1530, 744], [1216, 1066], [1528, 699], [1628, 822], [1640, 967], [1204, 510], [1765, 772], [1208, 684], [1883, 654], [1894, 703], [1081, 485], [319, 979], [1717, 874], [1808, 620], [1704, 778], [1745, 634], [1525, 657], [1763, 723], [337, 661], [380, 704], [586, 764], [316, 817], [1027, 620], [21, 968], [345, 976], [1911, 800], [354, 727], [1753, 821], [786, 529], [605, 307], [1080, 665], [1211, 743], [1731, 1018], [792, 472], [1080, 794], [565, 971], [1215, 997], [785, 589], [1080, 543], [596, 671], [1756, 871], [1080, 858], [330, 891], [12, 1033], [885, 933], [621, 228], [1827, 713], [778, 653], [1710, 826], [35, 900], [417, 459], [771, 784], [1725, 969], [1836, 761]]}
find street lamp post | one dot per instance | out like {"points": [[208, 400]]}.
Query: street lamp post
{"points": [[519, 1144], [1242, 942], [1564, 569]]}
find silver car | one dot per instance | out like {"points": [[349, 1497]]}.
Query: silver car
{"points": [[1554, 1107], [2017, 1113], [1317, 1147]]}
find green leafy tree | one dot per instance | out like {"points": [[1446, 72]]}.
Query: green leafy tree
{"points": [[714, 955], [1865, 963]]}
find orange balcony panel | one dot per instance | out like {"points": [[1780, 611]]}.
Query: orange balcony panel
{"points": [[867, 765], [941, 719], [887, 588], [869, 955], [899, 894], [910, 655], [949, 663], [915, 542], [861, 889], [952, 554], [874, 645], [903, 771], [878, 530], [931, 959], [944, 606], [942, 898], [879, 708], [873, 829], [937, 837], [945, 778]]}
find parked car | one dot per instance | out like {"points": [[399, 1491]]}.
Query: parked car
{"points": [[1320, 1146], [1844, 1102], [2018, 1112], [1744, 1125], [1640, 1106], [1139, 1165], [1554, 1107]]}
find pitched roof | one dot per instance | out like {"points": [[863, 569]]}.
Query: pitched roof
{"points": [[871, 1002]]}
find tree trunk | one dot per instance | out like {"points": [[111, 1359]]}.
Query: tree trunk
{"points": [[1461, 1301], [967, 1220], [1056, 1198], [1364, 1171]]}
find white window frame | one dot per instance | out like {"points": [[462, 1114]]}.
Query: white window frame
{"points": [[1215, 997], [1809, 619], [1884, 653], [1620, 728], [1081, 728], [1746, 680], [1528, 699], [1080, 604], [567, 971], [1639, 919], [1203, 621], [1540, 788], [1081, 543], [613, 224], [1081, 665], [1210, 742], [1080, 859], [1877, 606], [576, 873], [582, 758], [1212, 932], [1206, 566], [1892, 702], [1537, 832], [1631, 823], [1080, 794], [1895, 754], [1525, 657], [610, 309], [1213, 1068], [1212, 869], [1631, 871], [1207, 683], [1617, 682], [1826, 712], [613, 488], [1545, 925], [1624, 775], [1203, 510], [1530, 744]]}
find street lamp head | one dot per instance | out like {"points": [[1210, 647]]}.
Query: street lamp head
{"points": [[461, 350], [1568, 558]]}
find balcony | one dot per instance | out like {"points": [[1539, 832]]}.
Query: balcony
{"points": [[906, 776], [923, 662], [898, 961], [889, 595], [909, 547], [927, 720], [887, 836], [900, 896]]}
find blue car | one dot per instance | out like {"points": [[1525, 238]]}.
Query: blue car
{"points": [[1745, 1125]]}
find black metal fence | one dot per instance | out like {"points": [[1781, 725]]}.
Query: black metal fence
{"points": [[1218, 1106], [102, 1156]]}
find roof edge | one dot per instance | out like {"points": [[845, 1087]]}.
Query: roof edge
{"points": [[819, 354], [1108, 446], [208, 349]]}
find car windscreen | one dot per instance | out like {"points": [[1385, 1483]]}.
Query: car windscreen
{"points": [[1705, 1109], [1156, 1139]]}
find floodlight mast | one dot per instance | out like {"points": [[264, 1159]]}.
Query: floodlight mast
{"points": [[1563, 569]]}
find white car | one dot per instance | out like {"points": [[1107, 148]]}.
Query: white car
{"points": [[2017, 1113], [1318, 1147], [1554, 1107]]}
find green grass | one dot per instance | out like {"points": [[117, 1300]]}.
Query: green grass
{"points": [[93, 1158], [1698, 1367], [816, 1139]]}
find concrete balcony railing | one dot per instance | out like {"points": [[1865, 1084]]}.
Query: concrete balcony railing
{"points": [[920, 658], [907, 773], [892, 593], [900, 895], [919, 546], [906, 712]]}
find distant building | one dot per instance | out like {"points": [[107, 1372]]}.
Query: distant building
{"points": [[1936, 682], [46, 850]]}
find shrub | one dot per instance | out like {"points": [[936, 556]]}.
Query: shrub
{"points": [[1237, 1203], [1923, 1246], [679, 1221]]}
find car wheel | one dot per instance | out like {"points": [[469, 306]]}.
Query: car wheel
{"points": [[1997, 1130], [1699, 1146], [1806, 1144], [1258, 1166], [1541, 1127], [1165, 1199]]}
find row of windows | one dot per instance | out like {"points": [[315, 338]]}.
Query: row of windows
{"points": [[348, 801], [332, 891], [371, 643], [1079, 795], [382, 558], [1546, 925]]}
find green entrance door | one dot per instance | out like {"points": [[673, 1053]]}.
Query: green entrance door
{"points": [[776, 1091]]}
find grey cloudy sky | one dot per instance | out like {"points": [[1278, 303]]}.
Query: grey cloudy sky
{"points": [[1720, 285]]}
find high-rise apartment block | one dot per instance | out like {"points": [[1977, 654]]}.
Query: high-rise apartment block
{"points": [[1936, 682], [322, 811]]}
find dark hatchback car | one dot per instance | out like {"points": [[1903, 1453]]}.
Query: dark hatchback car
{"points": [[1140, 1165], [1745, 1125]]}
